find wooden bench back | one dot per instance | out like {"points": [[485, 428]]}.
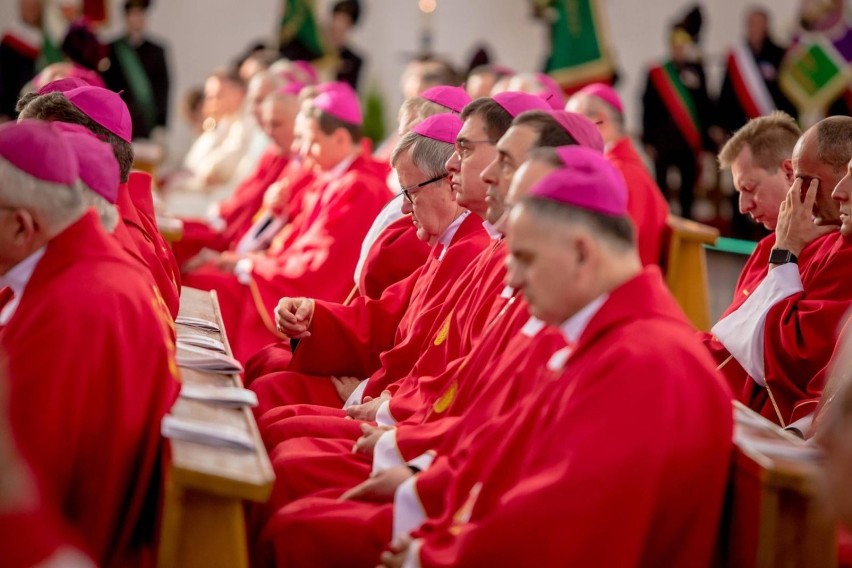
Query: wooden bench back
{"points": [[203, 521], [685, 265]]}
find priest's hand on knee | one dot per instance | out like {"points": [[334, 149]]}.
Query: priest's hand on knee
{"points": [[293, 317], [227, 261], [367, 411], [366, 443], [380, 487], [345, 386]]}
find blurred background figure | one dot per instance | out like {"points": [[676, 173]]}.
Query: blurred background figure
{"points": [[20, 48], [138, 67]]}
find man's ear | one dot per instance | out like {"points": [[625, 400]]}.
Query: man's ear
{"points": [[25, 227], [787, 166]]}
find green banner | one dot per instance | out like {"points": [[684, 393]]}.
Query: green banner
{"points": [[579, 45]]}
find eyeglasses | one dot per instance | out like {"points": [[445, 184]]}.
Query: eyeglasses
{"points": [[464, 147], [407, 191]]}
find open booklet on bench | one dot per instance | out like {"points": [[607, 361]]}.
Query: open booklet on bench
{"points": [[202, 359], [185, 337], [197, 322], [231, 397], [211, 434]]}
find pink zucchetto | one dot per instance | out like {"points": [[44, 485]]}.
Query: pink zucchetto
{"points": [[104, 107], [515, 103], [293, 88], [552, 93], [307, 70], [442, 127], [453, 98], [97, 164], [586, 180], [39, 150], [62, 85], [341, 103], [605, 93], [580, 128]]}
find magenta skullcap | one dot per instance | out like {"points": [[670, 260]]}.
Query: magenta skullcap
{"points": [[552, 92], [453, 98], [62, 85], [293, 88], [97, 164], [104, 107], [580, 128], [442, 127], [341, 103], [307, 70], [605, 93], [515, 103], [587, 180], [39, 150]]}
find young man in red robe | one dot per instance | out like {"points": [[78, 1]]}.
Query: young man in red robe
{"points": [[104, 113], [100, 393], [647, 206], [781, 336], [232, 217], [545, 471], [317, 250]]}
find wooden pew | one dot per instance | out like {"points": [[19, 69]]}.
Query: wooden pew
{"points": [[772, 516], [203, 521], [686, 268]]}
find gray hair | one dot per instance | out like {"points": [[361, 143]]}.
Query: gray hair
{"points": [[57, 203], [428, 155], [105, 210], [615, 230], [417, 109]]}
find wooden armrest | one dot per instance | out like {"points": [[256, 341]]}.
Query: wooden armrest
{"points": [[773, 514], [692, 231]]}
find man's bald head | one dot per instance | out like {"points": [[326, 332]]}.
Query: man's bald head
{"points": [[822, 153]]}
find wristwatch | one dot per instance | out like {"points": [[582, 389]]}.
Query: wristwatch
{"points": [[782, 256]]}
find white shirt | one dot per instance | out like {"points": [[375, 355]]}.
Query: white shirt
{"points": [[17, 279]]}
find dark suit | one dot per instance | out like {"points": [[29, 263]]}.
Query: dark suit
{"points": [[153, 59]]}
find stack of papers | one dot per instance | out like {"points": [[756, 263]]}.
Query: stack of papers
{"points": [[232, 397], [202, 359], [205, 433], [197, 322], [202, 341]]}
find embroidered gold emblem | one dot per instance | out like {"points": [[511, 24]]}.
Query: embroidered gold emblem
{"points": [[443, 403], [442, 334]]}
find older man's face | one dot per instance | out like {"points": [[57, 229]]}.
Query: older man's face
{"points": [[543, 263], [808, 167], [843, 195], [432, 206]]}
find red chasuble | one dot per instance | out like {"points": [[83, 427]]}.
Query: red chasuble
{"points": [[237, 211], [365, 332], [552, 472], [146, 246], [645, 203], [394, 256], [800, 331], [90, 350], [313, 256]]}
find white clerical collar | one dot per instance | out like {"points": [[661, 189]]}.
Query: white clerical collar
{"points": [[492, 232], [573, 327], [17, 279], [447, 236], [341, 167]]}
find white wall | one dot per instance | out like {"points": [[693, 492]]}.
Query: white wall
{"points": [[205, 33]]}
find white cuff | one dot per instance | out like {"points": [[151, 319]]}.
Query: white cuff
{"points": [[802, 426], [383, 415], [742, 332], [412, 557], [423, 461], [386, 454], [355, 397], [243, 270], [408, 512]]}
